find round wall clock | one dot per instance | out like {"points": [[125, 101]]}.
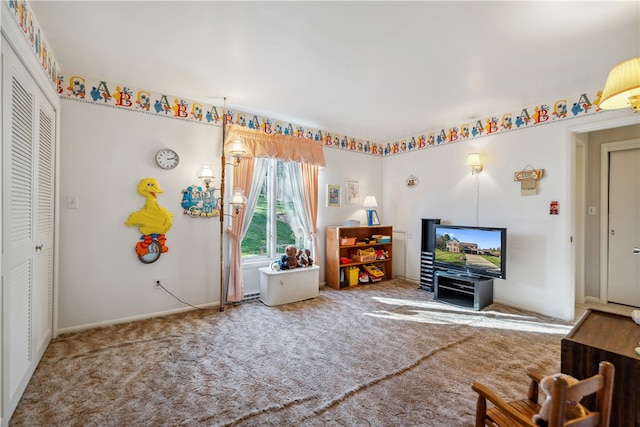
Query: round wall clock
{"points": [[167, 158]]}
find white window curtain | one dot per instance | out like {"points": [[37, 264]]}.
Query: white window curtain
{"points": [[239, 227], [299, 203], [283, 147], [259, 174]]}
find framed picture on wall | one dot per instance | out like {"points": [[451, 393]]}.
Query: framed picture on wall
{"points": [[353, 192], [333, 196]]}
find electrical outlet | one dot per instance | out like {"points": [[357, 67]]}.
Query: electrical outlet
{"points": [[156, 283]]}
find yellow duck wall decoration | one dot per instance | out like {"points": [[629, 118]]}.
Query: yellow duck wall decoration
{"points": [[153, 220]]}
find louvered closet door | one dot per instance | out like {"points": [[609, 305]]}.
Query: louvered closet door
{"points": [[44, 225], [28, 225]]}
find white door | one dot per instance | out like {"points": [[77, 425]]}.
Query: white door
{"points": [[624, 227], [28, 175]]}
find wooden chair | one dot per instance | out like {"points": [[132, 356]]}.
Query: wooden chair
{"points": [[519, 413]]}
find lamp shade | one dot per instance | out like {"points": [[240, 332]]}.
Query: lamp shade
{"points": [[238, 197], [622, 88], [370, 202], [473, 160], [205, 172], [237, 148]]}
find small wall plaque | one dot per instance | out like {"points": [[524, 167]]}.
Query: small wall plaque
{"points": [[528, 175], [528, 178]]}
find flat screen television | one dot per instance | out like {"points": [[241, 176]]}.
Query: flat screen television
{"points": [[473, 251]]}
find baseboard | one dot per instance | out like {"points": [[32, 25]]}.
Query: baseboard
{"points": [[247, 298], [131, 319], [407, 279], [528, 308]]}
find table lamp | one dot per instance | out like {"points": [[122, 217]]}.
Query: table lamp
{"points": [[370, 203]]}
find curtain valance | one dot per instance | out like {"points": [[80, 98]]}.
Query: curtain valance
{"points": [[278, 146]]}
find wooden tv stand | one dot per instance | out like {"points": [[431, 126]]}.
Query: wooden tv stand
{"points": [[462, 290]]}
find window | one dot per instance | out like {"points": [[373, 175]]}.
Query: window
{"points": [[275, 223]]}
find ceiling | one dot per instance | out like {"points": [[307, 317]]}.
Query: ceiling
{"points": [[374, 70]]}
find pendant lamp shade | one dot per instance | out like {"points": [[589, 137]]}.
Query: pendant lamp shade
{"points": [[622, 88]]}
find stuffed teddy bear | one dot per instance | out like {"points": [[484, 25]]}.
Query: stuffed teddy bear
{"points": [[304, 258], [303, 261], [291, 252], [307, 254], [283, 263], [573, 407]]}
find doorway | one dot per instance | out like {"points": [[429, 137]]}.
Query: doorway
{"points": [[587, 221]]}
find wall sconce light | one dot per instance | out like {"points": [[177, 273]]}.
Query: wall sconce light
{"points": [[473, 161], [370, 203], [238, 200], [205, 173], [622, 88]]}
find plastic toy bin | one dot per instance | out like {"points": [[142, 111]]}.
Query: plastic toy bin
{"points": [[352, 275]]}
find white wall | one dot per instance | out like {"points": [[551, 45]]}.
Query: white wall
{"points": [[104, 153], [539, 251], [345, 166]]}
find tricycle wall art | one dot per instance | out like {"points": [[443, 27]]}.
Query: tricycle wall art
{"points": [[153, 221], [198, 203]]}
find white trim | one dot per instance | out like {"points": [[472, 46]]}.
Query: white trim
{"points": [[569, 291], [134, 318], [580, 154], [16, 40], [2, 370], [625, 119], [604, 209]]}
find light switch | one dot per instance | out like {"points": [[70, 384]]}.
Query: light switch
{"points": [[72, 202], [591, 210]]}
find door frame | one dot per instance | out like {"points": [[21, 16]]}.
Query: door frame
{"points": [[580, 155], [12, 38], [621, 118], [605, 150]]}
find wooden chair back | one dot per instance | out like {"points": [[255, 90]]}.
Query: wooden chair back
{"points": [[519, 413]]}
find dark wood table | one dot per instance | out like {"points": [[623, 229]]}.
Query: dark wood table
{"points": [[599, 336]]}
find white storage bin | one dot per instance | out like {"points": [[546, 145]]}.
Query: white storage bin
{"points": [[282, 287]]}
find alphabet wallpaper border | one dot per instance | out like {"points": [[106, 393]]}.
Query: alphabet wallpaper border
{"points": [[119, 95], [30, 29]]}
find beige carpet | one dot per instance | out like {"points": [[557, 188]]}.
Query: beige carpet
{"points": [[378, 355]]}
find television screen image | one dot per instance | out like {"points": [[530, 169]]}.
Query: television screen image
{"points": [[472, 250]]}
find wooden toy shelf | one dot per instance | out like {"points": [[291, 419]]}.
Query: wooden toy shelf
{"points": [[335, 276]]}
